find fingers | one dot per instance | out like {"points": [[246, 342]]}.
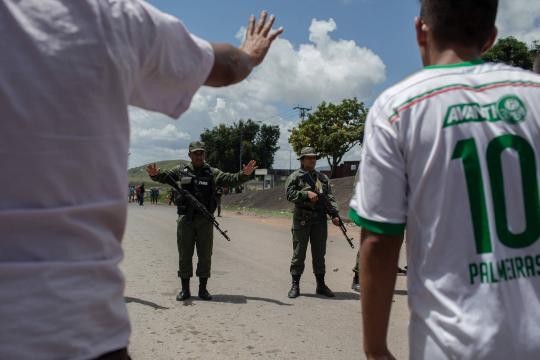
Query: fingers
{"points": [[262, 21], [274, 34], [251, 25], [266, 29]]}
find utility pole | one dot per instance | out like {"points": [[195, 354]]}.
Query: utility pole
{"points": [[241, 147], [302, 111]]}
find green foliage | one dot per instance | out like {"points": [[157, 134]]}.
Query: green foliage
{"points": [[258, 142], [333, 129], [513, 52]]}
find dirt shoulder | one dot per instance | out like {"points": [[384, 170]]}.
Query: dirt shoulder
{"points": [[275, 201]]}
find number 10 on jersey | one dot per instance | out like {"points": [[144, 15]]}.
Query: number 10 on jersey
{"points": [[466, 150]]}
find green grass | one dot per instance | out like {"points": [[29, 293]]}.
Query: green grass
{"points": [[260, 212]]}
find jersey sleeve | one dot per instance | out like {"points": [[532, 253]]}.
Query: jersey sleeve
{"points": [[380, 200], [174, 64]]}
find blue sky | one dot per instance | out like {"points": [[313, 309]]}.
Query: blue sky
{"points": [[384, 26], [331, 50]]}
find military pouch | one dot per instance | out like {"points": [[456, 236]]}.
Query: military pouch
{"points": [[186, 180]]}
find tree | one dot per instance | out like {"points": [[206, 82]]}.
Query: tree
{"points": [[513, 52], [258, 142], [333, 129]]}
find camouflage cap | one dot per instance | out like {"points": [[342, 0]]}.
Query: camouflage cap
{"points": [[197, 146], [308, 151]]}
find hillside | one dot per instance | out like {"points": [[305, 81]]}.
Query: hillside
{"points": [[138, 174]]}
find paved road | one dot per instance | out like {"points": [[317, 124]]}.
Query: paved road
{"points": [[251, 316]]}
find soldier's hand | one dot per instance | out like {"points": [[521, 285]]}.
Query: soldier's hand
{"points": [[152, 170], [250, 168], [259, 37], [313, 197], [335, 221]]}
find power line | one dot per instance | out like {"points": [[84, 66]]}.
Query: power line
{"points": [[302, 111]]}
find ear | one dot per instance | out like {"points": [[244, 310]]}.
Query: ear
{"points": [[489, 44], [421, 32]]}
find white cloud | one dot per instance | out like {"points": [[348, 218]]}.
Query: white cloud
{"points": [[324, 69], [519, 18]]}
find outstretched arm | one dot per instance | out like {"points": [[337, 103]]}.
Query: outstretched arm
{"points": [[231, 64], [161, 176], [235, 179]]}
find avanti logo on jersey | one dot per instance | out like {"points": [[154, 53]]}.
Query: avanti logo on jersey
{"points": [[509, 108]]}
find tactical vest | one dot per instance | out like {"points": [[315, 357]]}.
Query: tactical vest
{"points": [[318, 207], [201, 185]]}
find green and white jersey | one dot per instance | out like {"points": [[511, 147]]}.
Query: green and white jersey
{"points": [[452, 154]]}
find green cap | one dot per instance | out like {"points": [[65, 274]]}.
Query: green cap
{"points": [[196, 146], [308, 151]]}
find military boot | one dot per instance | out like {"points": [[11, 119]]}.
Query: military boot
{"points": [[356, 283], [295, 288], [322, 289], [203, 292], [184, 294]]}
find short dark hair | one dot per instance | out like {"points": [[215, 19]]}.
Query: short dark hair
{"points": [[460, 22]]}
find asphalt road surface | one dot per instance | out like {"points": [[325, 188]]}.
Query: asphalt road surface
{"points": [[251, 316]]}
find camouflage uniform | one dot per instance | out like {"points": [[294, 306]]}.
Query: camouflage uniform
{"points": [[310, 222], [193, 229]]}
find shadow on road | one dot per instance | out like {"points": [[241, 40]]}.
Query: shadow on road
{"points": [[155, 306], [241, 299], [339, 296]]}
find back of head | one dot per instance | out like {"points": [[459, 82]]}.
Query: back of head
{"points": [[465, 23]]}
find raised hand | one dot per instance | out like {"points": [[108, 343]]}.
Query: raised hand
{"points": [[250, 168], [152, 170], [259, 37]]}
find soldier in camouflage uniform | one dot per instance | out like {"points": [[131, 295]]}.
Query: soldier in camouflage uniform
{"points": [[194, 230], [309, 221]]}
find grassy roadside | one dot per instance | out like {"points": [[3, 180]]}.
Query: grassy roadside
{"points": [[259, 212]]}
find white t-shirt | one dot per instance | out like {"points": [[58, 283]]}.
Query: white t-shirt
{"points": [[68, 70], [452, 153]]}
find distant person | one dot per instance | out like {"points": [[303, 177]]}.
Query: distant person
{"points": [[172, 196], [69, 71], [156, 196], [142, 192], [452, 156], [309, 221], [132, 193], [138, 193], [219, 195], [194, 230]]}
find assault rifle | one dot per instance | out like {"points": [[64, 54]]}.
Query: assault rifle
{"points": [[328, 208], [197, 205]]}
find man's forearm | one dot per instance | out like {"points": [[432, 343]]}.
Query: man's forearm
{"points": [[378, 261], [231, 65]]}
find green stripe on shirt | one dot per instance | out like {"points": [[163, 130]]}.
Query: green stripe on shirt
{"points": [[375, 226]]}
